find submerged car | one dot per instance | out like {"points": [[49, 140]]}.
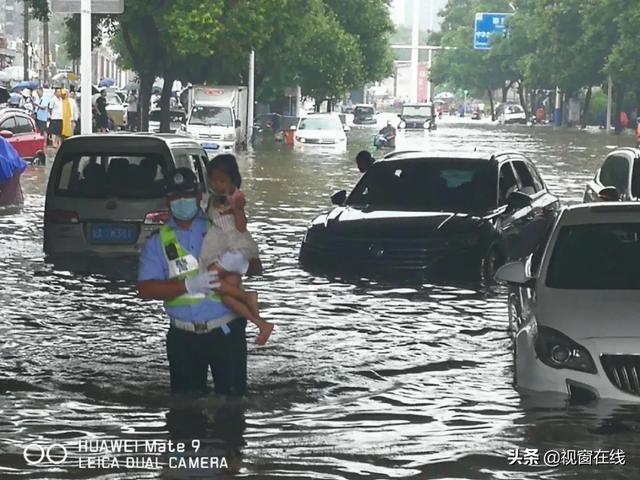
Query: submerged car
{"points": [[618, 179], [19, 129], [320, 130], [417, 116], [106, 193], [451, 215], [177, 118], [364, 114], [510, 113], [574, 310]]}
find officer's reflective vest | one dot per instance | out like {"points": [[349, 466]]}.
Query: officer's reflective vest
{"points": [[181, 265]]}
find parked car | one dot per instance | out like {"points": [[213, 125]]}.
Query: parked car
{"points": [[509, 113], [574, 308], [20, 131], [617, 179], [417, 116], [176, 120], [106, 192], [450, 215], [364, 114], [320, 130]]}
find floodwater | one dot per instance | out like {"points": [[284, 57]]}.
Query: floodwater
{"points": [[359, 380]]}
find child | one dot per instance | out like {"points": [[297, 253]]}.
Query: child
{"points": [[228, 247]]}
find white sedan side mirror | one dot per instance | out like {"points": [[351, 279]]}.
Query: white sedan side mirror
{"points": [[513, 272]]}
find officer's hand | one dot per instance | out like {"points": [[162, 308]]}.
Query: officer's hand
{"points": [[203, 283]]}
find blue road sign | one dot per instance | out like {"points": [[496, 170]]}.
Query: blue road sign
{"points": [[488, 24]]}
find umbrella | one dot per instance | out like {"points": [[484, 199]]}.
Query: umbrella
{"points": [[72, 77], [107, 82], [445, 95], [22, 85], [94, 89], [4, 95]]}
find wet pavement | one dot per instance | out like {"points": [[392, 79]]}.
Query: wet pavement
{"points": [[359, 380]]}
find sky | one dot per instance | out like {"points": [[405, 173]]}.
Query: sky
{"points": [[401, 12]]}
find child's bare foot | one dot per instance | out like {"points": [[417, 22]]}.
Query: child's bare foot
{"points": [[265, 333]]}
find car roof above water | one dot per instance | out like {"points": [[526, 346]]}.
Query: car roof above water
{"points": [[601, 212], [424, 156], [117, 142]]}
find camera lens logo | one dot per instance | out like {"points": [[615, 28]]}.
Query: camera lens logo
{"points": [[35, 454]]}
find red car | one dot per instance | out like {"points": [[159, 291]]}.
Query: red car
{"points": [[20, 131]]}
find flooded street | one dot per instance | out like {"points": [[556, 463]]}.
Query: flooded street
{"points": [[359, 380]]}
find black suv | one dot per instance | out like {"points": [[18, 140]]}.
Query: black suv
{"points": [[449, 215]]}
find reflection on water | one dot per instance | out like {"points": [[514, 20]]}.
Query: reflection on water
{"points": [[361, 379]]}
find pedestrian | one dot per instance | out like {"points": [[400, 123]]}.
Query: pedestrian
{"points": [[364, 160], [228, 248], [42, 112], [55, 117], [203, 332], [132, 111], [75, 117], [68, 115], [102, 119]]}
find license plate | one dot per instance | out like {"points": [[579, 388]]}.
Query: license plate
{"points": [[112, 233], [210, 146]]}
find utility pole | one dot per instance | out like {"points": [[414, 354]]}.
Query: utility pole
{"points": [[415, 44], [25, 42], [609, 102], [45, 53]]}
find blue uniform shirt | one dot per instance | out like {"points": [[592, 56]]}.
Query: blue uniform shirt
{"points": [[42, 114], [153, 266]]}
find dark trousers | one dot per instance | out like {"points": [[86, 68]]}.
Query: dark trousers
{"points": [[192, 354], [132, 121]]}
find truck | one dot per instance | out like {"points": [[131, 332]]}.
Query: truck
{"points": [[216, 117]]}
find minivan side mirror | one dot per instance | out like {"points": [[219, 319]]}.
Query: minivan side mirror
{"points": [[513, 273], [518, 200], [608, 194], [339, 197], [346, 128], [238, 123], [6, 134]]}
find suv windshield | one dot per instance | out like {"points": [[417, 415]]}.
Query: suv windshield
{"points": [[211, 116], [325, 123], [111, 175], [596, 257], [434, 185], [413, 111]]}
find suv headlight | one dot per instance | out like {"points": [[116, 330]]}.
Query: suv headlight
{"points": [[402, 124], [228, 137], [301, 139], [556, 350]]}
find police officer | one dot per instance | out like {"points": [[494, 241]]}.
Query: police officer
{"points": [[203, 332]]}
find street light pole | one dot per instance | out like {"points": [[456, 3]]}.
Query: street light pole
{"points": [[609, 102], [25, 42], [251, 95], [415, 43], [85, 67]]}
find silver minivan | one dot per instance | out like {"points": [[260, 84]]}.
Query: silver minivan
{"points": [[106, 192]]}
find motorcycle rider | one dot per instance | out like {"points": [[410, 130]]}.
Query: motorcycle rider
{"points": [[389, 134]]}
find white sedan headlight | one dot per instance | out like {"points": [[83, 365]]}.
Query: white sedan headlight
{"points": [[228, 137], [301, 139]]}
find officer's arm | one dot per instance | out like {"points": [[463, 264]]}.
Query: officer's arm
{"points": [[153, 274], [161, 289]]}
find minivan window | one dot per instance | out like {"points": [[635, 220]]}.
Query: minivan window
{"points": [[603, 256], [112, 175]]}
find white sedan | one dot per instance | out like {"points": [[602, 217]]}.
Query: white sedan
{"points": [[575, 310], [320, 130]]}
